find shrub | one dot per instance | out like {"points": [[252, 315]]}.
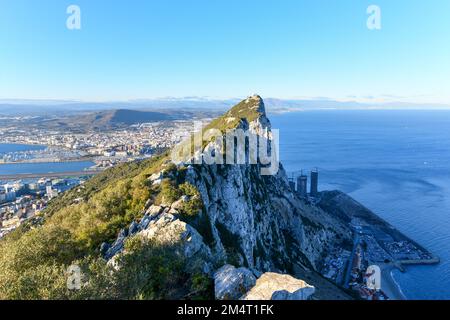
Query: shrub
{"points": [[34, 259]]}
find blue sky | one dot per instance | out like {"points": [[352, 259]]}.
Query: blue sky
{"points": [[225, 48]]}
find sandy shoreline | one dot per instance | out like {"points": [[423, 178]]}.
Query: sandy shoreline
{"points": [[389, 286]]}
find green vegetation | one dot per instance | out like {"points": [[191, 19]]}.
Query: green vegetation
{"points": [[245, 110], [170, 191], [35, 258], [147, 271], [194, 205]]}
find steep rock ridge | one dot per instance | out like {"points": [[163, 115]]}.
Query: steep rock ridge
{"points": [[162, 225], [257, 221], [248, 220], [160, 229]]}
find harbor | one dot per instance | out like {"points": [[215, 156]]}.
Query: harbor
{"points": [[375, 243]]}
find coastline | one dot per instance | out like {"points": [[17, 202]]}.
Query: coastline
{"points": [[388, 284]]}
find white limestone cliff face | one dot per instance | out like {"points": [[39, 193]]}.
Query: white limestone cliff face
{"points": [[269, 226], [255, 221], [168, 230]]}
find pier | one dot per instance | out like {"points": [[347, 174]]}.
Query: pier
{"points": [[433, 260]]}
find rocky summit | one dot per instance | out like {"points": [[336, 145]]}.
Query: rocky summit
{"points": [[162, 230], [248, 220]]}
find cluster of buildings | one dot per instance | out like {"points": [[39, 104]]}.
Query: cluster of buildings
{"points": [[406, 251], [367, 293], [387, 248], [382, 246], [21, 201], [301, 187], [348, 268], [360, 277], [7, 194], [334, 265], [134, 141]]}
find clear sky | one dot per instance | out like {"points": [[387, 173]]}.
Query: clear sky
{"points": [[139, 49]]}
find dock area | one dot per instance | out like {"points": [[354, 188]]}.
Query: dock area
{"points": [[375, 243]]}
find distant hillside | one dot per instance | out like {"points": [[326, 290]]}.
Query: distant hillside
{"points": [[103, 120], [126, 117], [113, 119]]}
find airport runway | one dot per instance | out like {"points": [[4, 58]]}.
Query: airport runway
{"points": [[48, 175]]}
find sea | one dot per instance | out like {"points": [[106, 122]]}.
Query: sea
{"points": [[37, 168], [396, 163]]}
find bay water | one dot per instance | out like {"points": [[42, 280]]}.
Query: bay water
{"points": [[36, 168]]}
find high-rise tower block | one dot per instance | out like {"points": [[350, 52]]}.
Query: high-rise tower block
{"points": [[314, 183]]}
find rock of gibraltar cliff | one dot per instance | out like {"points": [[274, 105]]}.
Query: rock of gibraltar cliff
{"points": [[156, 229]]}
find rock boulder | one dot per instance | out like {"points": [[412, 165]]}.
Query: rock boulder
{"points": [[274, 286]]}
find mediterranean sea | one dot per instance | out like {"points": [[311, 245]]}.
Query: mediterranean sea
{"points": [[396, 163]]}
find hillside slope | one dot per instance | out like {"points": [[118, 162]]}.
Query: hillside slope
{"points": [[158, 229]]}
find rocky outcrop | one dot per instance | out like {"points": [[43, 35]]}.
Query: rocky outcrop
{"points": [[257, 221], [154, 211], [272, 286], [168, 230], [231, 283], [250, 220], [161, 227], [240, 283]]}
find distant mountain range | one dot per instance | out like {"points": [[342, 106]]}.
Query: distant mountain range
{"points": [[193, 104], [84, 121], [34, 108]]}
